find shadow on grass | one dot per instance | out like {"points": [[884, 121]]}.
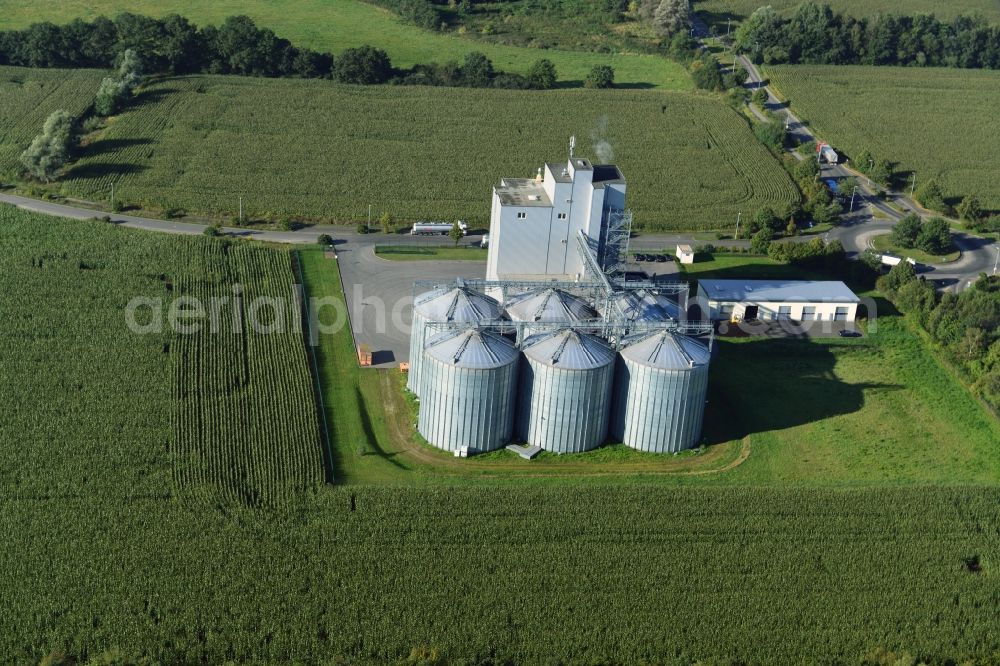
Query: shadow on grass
{"points": [[103, 169], [718, 19], [366, 424], [150, 96], [102, 146], [775, 384]]}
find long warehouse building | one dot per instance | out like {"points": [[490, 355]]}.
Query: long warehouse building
{"points": [[774, 300]]}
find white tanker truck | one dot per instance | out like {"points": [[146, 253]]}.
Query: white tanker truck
{"points": [[436, 228]]}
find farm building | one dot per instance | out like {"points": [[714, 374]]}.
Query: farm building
{"points": [[531, 351], [772, 300], [535, 222], [685, 254]]}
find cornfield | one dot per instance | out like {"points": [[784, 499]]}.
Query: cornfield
{"points": [[28, 96], [318, 150], [244, 407], [557, 573], [104, 410], [940, 123], [161, 501]]}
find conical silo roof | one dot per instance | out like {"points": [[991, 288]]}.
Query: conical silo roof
{"points": [[670, 308], [471, 348], [568, 349], [457, 304], [642, 305], [549, 305], [666, 350]]}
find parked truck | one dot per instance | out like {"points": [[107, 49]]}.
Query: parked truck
{"points": [[827, 154], [890, 260], [436, 228]]}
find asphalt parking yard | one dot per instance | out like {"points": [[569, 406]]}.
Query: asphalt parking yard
{"points": [[379, 296]]}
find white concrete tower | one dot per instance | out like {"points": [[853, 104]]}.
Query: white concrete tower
{"points": [[534, 221]]}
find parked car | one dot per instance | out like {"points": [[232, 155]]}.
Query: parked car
{"points": [[849, 334]]}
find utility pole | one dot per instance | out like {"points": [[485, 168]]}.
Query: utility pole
{"points": [[241, 210], [997, 261], [738, 216], [369, 216], [913, 183], [112, 195], [855, 191]]}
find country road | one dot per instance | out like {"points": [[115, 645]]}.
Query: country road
{"points": [[979, 255], [854, 233]]}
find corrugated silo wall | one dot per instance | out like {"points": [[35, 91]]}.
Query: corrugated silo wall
{"points": [[467, 406], [418, 333], [657, 409], [564, 411]]}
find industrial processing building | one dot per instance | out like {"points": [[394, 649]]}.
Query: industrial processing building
{"points": [[556, 347], [535, 222]]}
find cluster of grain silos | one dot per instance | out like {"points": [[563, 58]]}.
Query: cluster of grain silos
{"points": [[562, 382]]}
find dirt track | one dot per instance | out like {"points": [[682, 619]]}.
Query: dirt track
{"points": [[412, 451]]}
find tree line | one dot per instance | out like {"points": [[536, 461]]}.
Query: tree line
{"points": [[815, 34], [51, 150], [174, 45], [966, 325]]}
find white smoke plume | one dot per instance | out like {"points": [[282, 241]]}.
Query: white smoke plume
{"points": [[600, 141]]}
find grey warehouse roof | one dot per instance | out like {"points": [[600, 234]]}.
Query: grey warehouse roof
{"points": [[472, 348], [666, 350], [568, 349], [549, 305], [457, 304], [778, 291]]}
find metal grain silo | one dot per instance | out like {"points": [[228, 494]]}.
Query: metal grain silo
{"points": [[665, 305], [642, 305], [467, 393], [459, 304], [565, 395], [549, 305], [659, 396]]}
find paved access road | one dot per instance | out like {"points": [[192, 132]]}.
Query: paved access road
{"points": [[979, 255]]}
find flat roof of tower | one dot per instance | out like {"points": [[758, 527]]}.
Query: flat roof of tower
{"points": [[606, 174], [522, 192], [559, 172]]}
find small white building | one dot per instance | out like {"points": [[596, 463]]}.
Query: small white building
{"points": [[685, 254], [772, 300], [535, 222]]}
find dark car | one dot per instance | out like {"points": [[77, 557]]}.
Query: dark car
{"points": [[640, 257], [661, 258], [849, 334]]}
